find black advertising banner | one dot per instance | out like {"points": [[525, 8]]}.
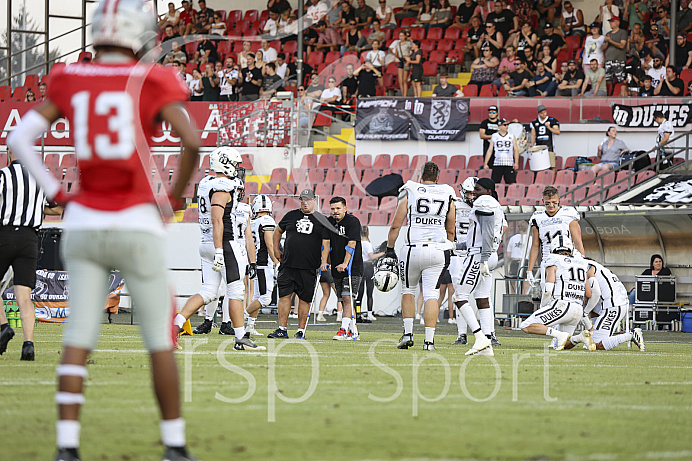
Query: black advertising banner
{"points": [[382, 119], [643, 116], [675, 189], [440, 119], [396, 119]]}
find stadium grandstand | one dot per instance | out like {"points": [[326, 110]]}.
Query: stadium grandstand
{"points": [[295, 116]]}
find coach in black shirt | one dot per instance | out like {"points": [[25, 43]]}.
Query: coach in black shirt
{"points": [[488, 127], [22, 204], [300, 260], [346, 287]]}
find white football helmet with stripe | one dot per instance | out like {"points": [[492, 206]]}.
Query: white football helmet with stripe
{"points": [[561, 244], [386, 274], [260, 204], [129, 24]]}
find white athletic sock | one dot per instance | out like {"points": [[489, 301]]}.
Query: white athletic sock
{"points": [[577, 339], [612, 342], [408, 326], [487, 319], [429, 334], [345, 323], [67, 433], [239, 332], [301, 330], [179, 320], [173, 432], [251, 322], [226, 314], [282, 328], [554, 332], [461, 323], [209, 310], [470, 317]]}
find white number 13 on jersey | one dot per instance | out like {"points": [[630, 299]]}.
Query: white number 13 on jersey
{"points": [[118, 124]]}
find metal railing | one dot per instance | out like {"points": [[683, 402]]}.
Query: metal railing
{"points": [[660, 162]]}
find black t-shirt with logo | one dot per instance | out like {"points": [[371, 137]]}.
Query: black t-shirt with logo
{"points": [[490, 129], [250, 88], [303, 245], [554, 41], [349, 229]]}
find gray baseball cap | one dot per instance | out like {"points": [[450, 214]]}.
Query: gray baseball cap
{"points": [[307, 194], [540, 108]]}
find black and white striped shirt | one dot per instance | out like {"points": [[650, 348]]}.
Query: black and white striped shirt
{"points": [[21, 200]]}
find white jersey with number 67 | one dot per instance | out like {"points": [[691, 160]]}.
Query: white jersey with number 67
{"points": [[428, 205]]}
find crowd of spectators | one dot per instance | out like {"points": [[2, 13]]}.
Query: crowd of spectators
{"points": [[521, 47]]}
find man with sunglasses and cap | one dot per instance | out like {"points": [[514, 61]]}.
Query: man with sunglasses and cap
{"points": [[300, 260], [489, 126]]}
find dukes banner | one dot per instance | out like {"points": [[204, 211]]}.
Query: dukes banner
{"points": [[428, 119]]}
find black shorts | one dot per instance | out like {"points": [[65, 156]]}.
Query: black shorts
{"points": [[299, 281], [342, 288], [326, 277], [417, 74], [19, 249], [445, 278]]}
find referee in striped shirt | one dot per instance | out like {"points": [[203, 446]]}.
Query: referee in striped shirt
{"points": [[22, 205]]}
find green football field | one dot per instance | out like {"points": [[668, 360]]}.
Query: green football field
{"points": [[326, 400]]}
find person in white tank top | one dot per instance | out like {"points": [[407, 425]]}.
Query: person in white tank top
{"points": [[430, 211]]}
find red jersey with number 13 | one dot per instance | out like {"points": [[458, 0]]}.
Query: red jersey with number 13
{"points": [[113, 110]]}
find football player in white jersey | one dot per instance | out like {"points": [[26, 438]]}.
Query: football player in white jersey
{"points": [[428, 206], [224, 177], [610, 304], [547, 225], [463, 206], [506, 150], [262, 227], [486, 227], [563, 295]]}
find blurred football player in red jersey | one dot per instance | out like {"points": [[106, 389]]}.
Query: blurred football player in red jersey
{"points": [[113, 222]]}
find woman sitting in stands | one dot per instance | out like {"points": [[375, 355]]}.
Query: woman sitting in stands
{"points": [[656, 267], [609, 152], [484, 68]]}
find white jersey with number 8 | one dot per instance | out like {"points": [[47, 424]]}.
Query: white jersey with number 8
{"points": [[428, 205], [207, 187]]}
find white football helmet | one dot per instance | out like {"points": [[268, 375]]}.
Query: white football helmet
{"points": [[561, 243], [467, 187], [260, 204], [129, 24], [225, 160], [386, 274]]}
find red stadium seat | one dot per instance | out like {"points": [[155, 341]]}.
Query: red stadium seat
{"points": [[342, 189], [364, 161], [583, 177], [407, 22], [31, 80], [251, 15], [235, 16], [279, 175], [429, 69], [369, 203], [316, 58], [535, 191], [334, 175], [516, 190], [457, 162], [645, 175], [400, 162], [475, 162], [369, 175], [344, 161], [309, 161], [470, 90], [251, 188], [5, 93], [326, 161], [437, 57], [445, 45], [440, 161], [452, 33], [331, 57], [362, 215], [447, 176], [379, 218], [191, 214], [565, 177], [316, 175], [418, 33], [573, 42], [544, 177], [428, 45], [483, 173], [388, 203], [324, 189], [435, 33], [382, 161], [488, 91]]}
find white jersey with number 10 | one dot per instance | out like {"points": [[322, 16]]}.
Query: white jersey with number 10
{"points": [[428, 205]]}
